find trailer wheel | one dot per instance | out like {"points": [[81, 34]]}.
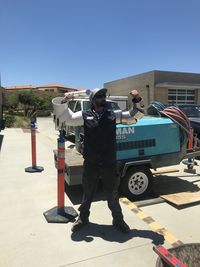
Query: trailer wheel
{"points": [[137, 182]]}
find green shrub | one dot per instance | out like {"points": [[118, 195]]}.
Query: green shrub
{"points": [[9, 120], [21, 122], [28, 102], [16, 121], [11, 112]]}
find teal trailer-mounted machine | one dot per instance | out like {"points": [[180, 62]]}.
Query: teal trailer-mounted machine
{"points": [[151, 143], [157, 140]]}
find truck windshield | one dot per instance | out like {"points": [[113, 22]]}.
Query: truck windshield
{"points": [[110, 105]]}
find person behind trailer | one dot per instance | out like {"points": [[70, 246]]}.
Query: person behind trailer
{"points": [[99, 151]]}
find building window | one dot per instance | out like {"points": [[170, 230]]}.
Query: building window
{"points": [[181, 96]]}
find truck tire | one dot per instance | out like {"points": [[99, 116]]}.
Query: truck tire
{"points": [[137, 182]]}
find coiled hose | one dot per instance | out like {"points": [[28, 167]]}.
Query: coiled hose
{"points": [[172, 112]]}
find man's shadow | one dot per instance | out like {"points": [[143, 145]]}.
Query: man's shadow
{"points": [[109, 233]]}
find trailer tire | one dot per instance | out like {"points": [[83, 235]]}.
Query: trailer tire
{"points": [[137, 182]]}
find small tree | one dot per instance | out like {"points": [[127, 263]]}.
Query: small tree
{"points": [[28, 101], [11, 100]]}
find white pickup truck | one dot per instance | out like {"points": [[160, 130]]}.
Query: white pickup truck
{"points": [[72, 133]]}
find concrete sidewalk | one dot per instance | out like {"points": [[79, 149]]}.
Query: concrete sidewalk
{"points": [[26, 237]]}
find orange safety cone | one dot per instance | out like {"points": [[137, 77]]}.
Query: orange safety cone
{"points": [[34, 167], [60, 213]]}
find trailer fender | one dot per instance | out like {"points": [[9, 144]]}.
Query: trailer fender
{"points": [[127, 165]]}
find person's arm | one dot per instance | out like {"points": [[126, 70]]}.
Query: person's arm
{"points": [[69, 117], [133, 115]]}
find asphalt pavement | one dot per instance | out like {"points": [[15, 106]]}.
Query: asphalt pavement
{"points": [[27, 239]]}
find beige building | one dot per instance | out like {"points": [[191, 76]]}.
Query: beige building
{"points": [[167, 87]]}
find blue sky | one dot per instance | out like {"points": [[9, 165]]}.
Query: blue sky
{"points": [[84, 43]]}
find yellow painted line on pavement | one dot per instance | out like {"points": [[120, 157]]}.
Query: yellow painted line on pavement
{"points": [[52, 139], [170, 238]]}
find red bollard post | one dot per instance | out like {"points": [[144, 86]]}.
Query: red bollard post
{"points": [[60, 214], [61, 174], [34, 167]]}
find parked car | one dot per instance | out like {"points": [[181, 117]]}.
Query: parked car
{"points": [[193, 113], [84, 104]]}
